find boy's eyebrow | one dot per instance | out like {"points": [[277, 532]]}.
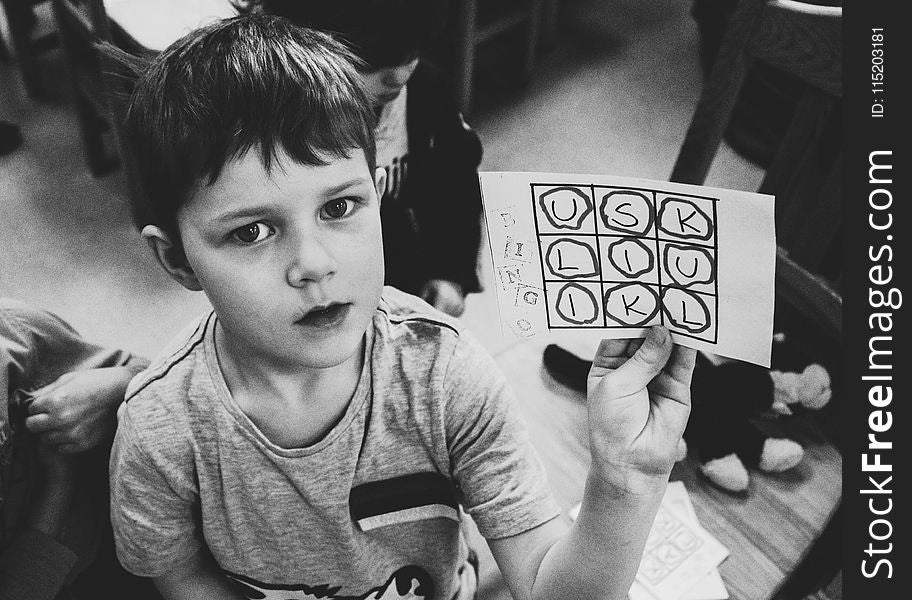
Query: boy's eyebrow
{"points": [[357, 181], [257, 210], [245, 212]]}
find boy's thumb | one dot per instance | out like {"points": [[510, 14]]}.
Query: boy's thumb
{"points": [[649, 359]]}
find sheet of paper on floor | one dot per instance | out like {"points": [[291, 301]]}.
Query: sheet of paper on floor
{"points": [[682, 556]]}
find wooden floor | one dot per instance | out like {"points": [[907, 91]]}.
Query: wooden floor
{"points": [[613, 94]]}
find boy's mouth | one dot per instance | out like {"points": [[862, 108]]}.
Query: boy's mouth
{"points": [[325, 316]]}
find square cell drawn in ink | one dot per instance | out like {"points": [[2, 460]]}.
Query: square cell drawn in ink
{"points": [[690, 313], [574, 304], [626, 212], [632, 304], [563, 209], [690, 219], [688, 266], [566, 257], [625, 259]]}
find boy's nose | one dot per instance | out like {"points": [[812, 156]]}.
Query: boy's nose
{"points": [[310, 263]]}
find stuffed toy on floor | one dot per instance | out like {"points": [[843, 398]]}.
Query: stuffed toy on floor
{"points": [[725, 399]]}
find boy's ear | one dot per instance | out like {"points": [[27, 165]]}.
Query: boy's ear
{"points": [[380, 182], [170, 257]]}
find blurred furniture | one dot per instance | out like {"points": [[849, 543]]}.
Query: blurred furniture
{"points": [[146, 27], [81, 24], [154, 24], [549, 23], [27, 42], [475, 23], [136, 26], [805, 41]]}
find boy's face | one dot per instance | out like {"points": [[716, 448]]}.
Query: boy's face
{"points": [[291, 261], [386, 83]]}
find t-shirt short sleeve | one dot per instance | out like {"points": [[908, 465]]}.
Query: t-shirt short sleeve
{"points": [[152, 504], [500, 476]]}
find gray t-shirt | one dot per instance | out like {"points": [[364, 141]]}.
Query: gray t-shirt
{"points": [[371, 510]]}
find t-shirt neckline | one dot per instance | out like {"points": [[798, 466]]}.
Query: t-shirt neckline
{"points": [[246, 425]]}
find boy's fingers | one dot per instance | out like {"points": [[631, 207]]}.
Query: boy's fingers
{"points": [[69, 448], [54, 437], [609, 352], [38, 404], [52, 385], [647, 361], [681, 364], [39, 423]]}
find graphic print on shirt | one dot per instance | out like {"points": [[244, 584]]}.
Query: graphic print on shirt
{"points": [[408, 583], [373, 505]]}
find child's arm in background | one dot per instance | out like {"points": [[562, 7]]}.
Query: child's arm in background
{"points": [[33, 566], [638, 404], [77, 411]]}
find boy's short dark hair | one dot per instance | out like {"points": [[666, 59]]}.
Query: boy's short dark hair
{"points": [[383, 33], [253, 82]]}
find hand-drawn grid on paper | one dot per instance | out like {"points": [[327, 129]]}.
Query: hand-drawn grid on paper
{"points": [[614, 257]]}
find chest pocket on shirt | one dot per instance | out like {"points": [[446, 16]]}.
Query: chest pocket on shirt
{"points": [[403, 499]]}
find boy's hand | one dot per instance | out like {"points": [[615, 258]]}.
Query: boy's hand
{"points": [[638, 404], [444, 295], [76, 412]]}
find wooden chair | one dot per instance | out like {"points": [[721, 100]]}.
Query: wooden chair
{"points": [[803, 40], [27, 42], [474, 27], [82, 24]]}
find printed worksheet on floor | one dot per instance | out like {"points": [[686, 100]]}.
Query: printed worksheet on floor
{"points": [[617, 255]]}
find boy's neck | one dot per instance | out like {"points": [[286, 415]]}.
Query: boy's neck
{"points": [[293, 406]]}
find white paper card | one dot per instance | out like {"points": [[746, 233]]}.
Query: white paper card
{"points": [[680, 559], [616, 255], [711, 587]]}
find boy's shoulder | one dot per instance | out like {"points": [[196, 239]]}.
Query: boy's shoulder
{"points": [[174, 365], [422, 338], [407, 314]]}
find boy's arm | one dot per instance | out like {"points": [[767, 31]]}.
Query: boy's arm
{"points": [[198, 578], [638, 404], [155, 512]]}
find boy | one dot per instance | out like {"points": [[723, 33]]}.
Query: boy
{"points": [[431, 209], [316, 434], [58, 396]]}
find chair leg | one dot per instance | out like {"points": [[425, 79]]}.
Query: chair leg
{"points": [[20, 19], [464, 69], [91, 127], [533, 29], [549, 24]]}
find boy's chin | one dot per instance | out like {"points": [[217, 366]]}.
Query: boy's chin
{"points": [[332, 359], [334, 352]]}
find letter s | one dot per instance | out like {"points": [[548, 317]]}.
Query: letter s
{"points": [[876, 568]]}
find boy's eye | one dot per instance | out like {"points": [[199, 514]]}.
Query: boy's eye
{"points": [[253, 232], [336, 209]]}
